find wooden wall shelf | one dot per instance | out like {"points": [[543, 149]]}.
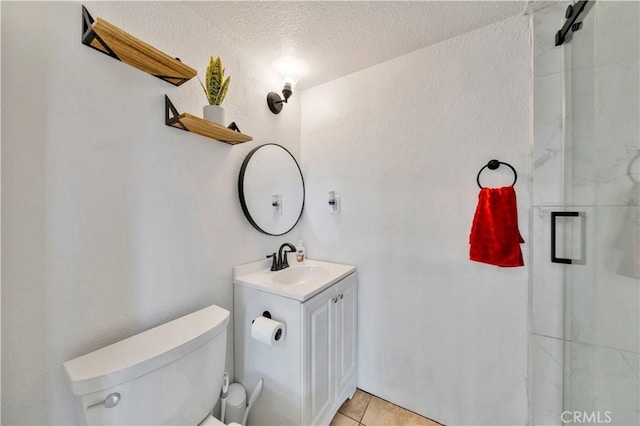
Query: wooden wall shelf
{"points": [[112, 41], [194, 124]]}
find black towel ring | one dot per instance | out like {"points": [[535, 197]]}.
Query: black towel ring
{"points": [[494, 164]]}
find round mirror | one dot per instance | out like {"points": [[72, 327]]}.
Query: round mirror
{"points": [[271, 189]]}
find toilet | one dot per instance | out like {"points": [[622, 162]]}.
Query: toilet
{"points": [[169, 375]]}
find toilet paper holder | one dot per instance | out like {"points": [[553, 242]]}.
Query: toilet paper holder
{"points": [[267, 314]]}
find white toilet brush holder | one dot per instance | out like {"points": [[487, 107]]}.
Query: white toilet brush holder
{"points": [[252, 400], [236, 409], [236, 404]]}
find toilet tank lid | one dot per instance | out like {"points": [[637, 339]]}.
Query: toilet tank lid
{"points": [[140, 354]]}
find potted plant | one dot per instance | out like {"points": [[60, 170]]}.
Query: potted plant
{"points": [[215, 88]]}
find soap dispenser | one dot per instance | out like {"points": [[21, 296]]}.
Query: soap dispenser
{"points": [[300, 252]]}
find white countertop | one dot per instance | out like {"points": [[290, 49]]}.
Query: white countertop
{"points": [[300, 281]]}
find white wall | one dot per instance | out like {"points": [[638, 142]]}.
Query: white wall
{"points": [[401, 143], [113, 222]]}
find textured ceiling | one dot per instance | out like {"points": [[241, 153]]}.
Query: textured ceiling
{"points": [[339, 38]]}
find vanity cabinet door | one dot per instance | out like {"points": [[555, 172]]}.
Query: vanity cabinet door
{"points": [[318, 357], [345, 337]]}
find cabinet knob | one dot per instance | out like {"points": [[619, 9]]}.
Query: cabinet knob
{"points": [[341, 296], [335, 300]]}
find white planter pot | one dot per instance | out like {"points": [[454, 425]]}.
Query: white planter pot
{"points": [[214, 114]]}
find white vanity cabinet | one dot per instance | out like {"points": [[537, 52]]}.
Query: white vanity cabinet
{"points": [[312, 371], [329, 351]]}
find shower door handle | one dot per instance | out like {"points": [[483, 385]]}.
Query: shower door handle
{"points": [[554, 257]]}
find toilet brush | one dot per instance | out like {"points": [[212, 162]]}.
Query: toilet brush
{"points": [[223, 395], [252, 399]]}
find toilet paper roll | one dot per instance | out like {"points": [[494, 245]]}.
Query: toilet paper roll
{"points": [[267, 331]]}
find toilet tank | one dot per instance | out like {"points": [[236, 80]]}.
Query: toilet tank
{"points": [[168, 375]]}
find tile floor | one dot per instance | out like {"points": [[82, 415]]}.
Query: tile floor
{"points": [[365, 409]]}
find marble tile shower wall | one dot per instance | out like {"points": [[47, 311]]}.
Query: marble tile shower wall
{"points": [[586, 147]]}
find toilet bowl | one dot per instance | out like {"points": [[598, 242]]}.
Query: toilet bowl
{"points": [[168, 375]]}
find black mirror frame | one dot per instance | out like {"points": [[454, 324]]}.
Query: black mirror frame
{"points": [[243, 203]]}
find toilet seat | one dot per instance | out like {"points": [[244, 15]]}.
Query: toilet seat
{"points": [[212, 421]]}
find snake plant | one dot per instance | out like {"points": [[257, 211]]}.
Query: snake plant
{"points": [[216, 86]]}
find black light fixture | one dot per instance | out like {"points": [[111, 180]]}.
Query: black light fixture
{"points": [[290, 69], [274, 100]]}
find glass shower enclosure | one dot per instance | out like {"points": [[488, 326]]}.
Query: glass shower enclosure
{"points": [[585, 314]]}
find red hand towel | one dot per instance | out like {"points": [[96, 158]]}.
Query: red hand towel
{"points": [[495, 238]]}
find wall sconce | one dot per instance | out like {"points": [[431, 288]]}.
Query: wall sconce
{"points": [[290, 69], [274, 100]]}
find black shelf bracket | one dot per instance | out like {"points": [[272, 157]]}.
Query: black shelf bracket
{"points": [[574, 20], [88, 35], [172, 116], [173, 80]]}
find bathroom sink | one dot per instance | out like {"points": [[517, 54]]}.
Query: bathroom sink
{"points": [[297, 275], [298, 282]]}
